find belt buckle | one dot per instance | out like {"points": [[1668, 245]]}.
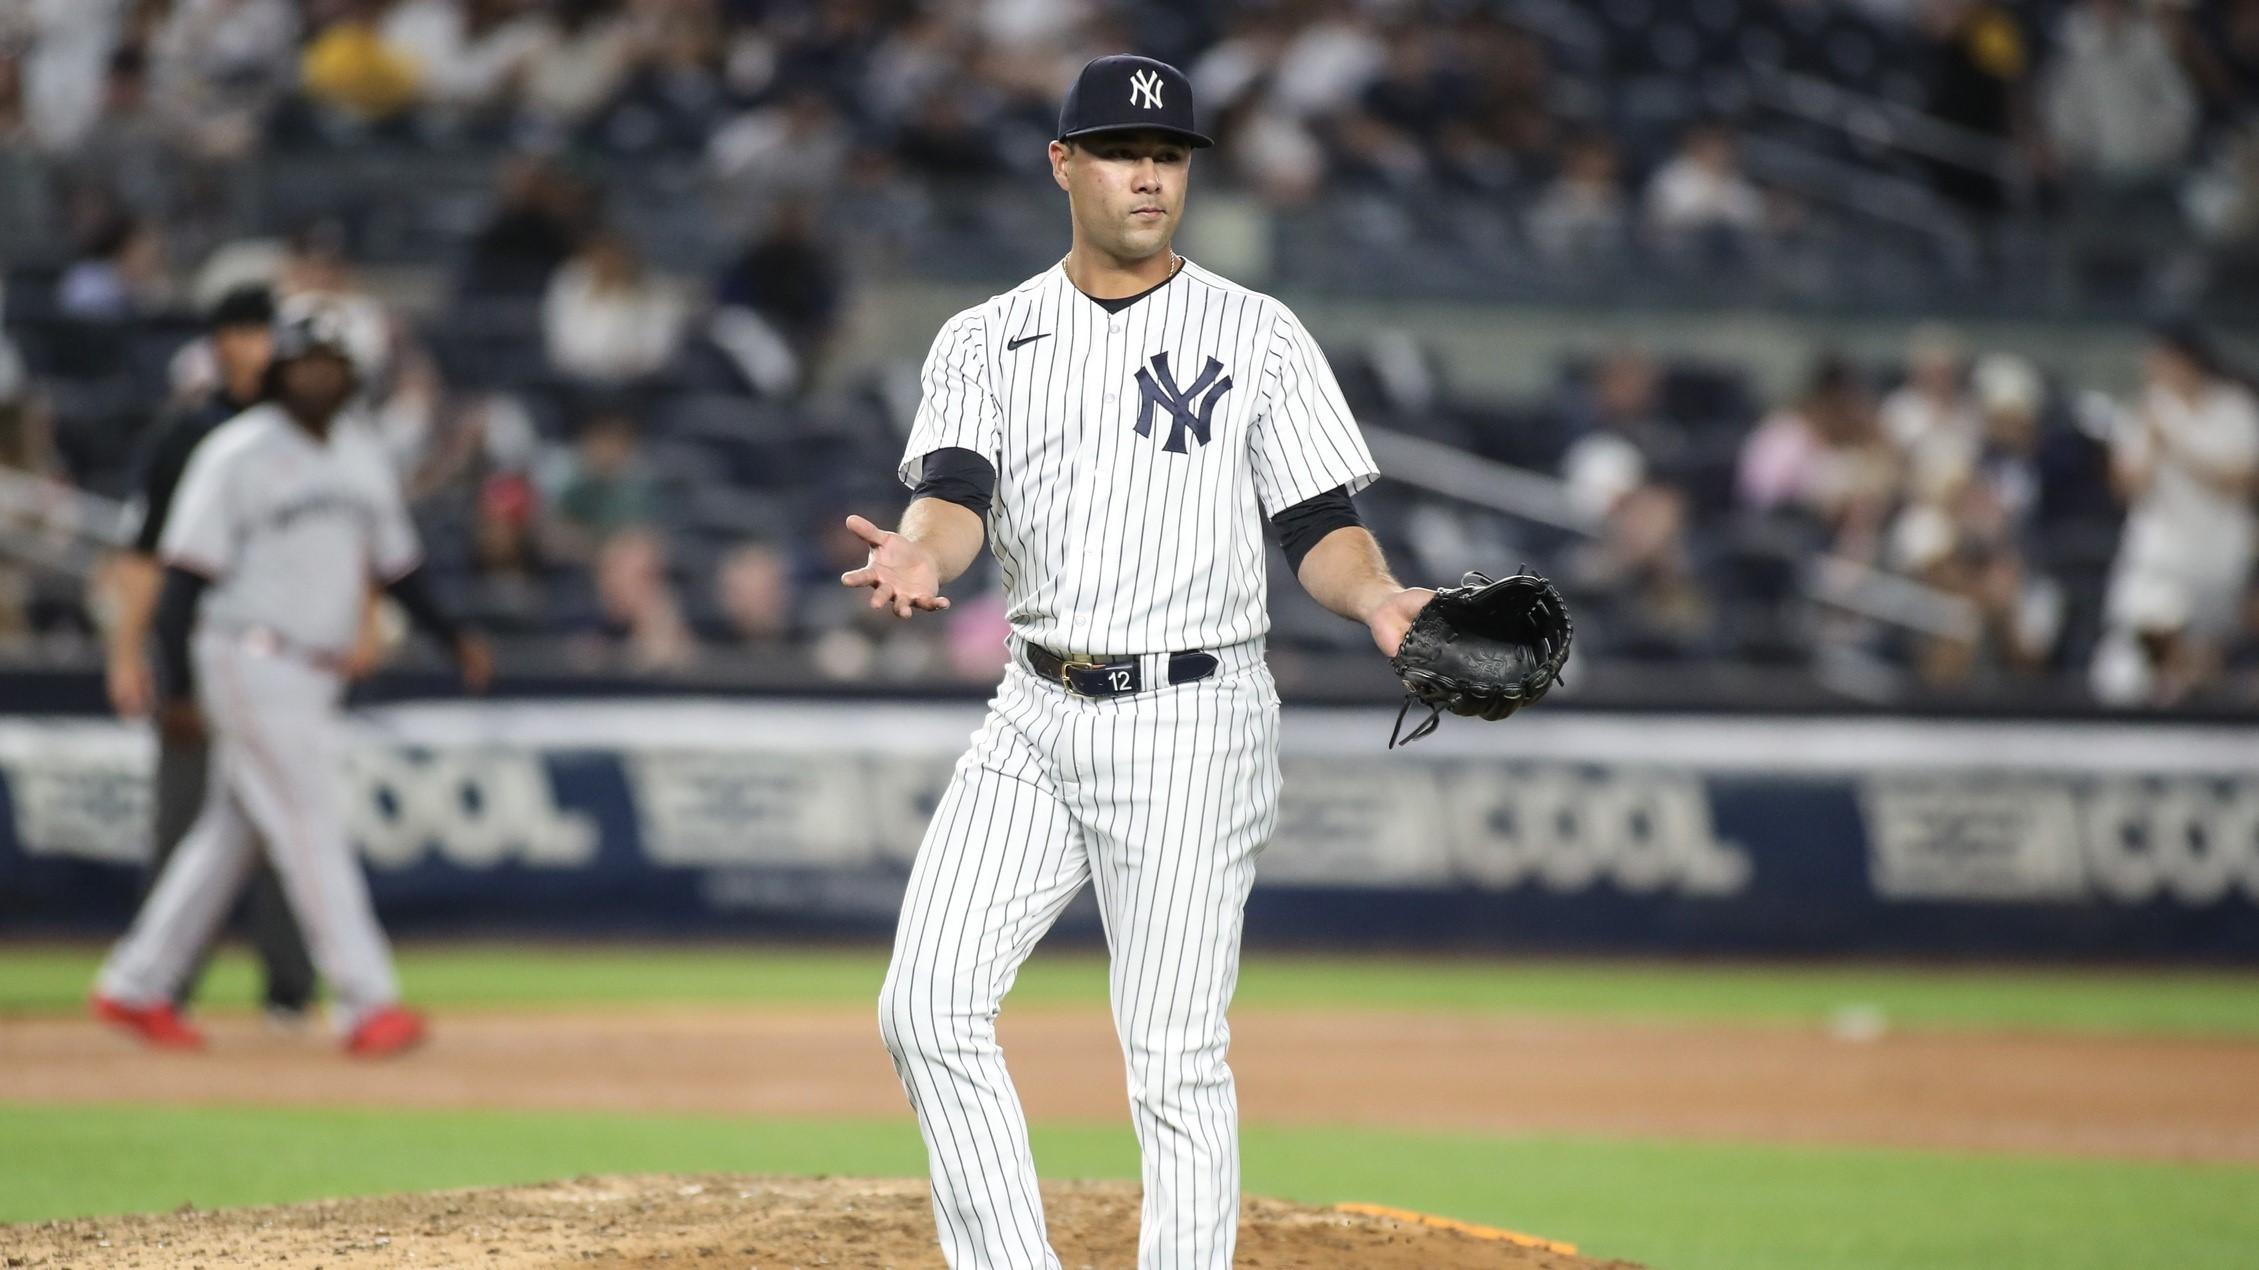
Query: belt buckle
{"points": [[1067, 668]]}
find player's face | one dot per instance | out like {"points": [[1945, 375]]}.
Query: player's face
{"points": [[1126, 190], [317, 385]]}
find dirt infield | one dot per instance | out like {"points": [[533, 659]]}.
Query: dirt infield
{"points": [[2151, 1098], [764, 1223], [2148, 1098]]}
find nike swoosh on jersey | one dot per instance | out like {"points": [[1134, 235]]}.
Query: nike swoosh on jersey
{"points": [[1009, 345]]}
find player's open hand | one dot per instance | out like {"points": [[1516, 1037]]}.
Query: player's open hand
{"points": [[1393, 616], [901, 573], [474, 658]]}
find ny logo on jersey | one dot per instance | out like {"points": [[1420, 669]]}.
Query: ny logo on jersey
{"points": [[1145, 89], [1159, 388]]}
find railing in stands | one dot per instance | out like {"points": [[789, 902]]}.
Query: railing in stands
{"points": [[1836, 581], [1470, 478], [53, 526], [1893, 124]]}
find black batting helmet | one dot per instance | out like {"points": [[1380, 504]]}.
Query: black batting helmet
{"points": [[313, 328], [303, 329]]}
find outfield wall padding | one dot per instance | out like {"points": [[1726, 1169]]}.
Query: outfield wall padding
{"points": [[1610, 833]]}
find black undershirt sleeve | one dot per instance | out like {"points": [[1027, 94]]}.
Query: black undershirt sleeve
{"points": [[958, 475], [160, 477], [413, 591], [1304, 525], [175, 617]]}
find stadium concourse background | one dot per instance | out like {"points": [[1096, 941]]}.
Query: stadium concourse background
{"points": [[1882, 890]]}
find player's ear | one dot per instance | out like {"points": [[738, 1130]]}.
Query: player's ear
{"points": [[1059, 152]]}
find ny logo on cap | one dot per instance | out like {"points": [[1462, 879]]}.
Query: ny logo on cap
{"points": [[1159, 388], [1145, 85]]}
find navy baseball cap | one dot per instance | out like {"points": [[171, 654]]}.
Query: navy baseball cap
{"points": [[1125, 93]]}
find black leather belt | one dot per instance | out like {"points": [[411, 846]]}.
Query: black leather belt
{"points": [[1113, 677]]}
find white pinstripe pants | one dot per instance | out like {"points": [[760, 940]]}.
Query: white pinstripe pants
{"points": [[275, 769], [1162, 800]]}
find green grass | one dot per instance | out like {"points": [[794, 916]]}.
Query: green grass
{"points": [[1676, 1206], [49, 978]]}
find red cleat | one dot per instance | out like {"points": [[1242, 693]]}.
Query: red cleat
{"points": [[159, 1026], [386, 1032]]}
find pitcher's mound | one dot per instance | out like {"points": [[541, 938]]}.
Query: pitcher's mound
{"points": [[740, 1222]]}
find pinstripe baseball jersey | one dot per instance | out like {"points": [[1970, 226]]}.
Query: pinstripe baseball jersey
{"points": [[1137, 453], [290, 528]]}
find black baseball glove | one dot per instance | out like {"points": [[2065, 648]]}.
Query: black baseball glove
{"points": [[1483, 649]]}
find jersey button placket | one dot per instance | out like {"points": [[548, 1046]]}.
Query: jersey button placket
{"points": [[1114, 358]]}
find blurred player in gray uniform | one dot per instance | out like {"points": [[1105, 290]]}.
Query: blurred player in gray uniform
{"points": [[1120, 428], [284, 516], [242, 341]]}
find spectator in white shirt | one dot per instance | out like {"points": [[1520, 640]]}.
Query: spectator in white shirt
{"points": [[1930, 417], [2120, 110], [794, 147], [2184, 458], [607, 319], [1326, 65], [66, 64], [470, 55], [1701, 193], [581, 64], [217, 65]]}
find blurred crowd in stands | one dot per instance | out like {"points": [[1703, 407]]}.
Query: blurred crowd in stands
{"points": [[1717, 130], [2051, 530], [645, 450]]}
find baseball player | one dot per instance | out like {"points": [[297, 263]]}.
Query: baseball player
{"points": [[1120, 427], [242, 338], [282, 518]]}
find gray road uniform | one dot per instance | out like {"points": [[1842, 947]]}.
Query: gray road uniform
{"points": [[289, 529], [184, 763]]}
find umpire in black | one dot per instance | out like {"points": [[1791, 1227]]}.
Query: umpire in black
{"points": [[242, 342]]}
